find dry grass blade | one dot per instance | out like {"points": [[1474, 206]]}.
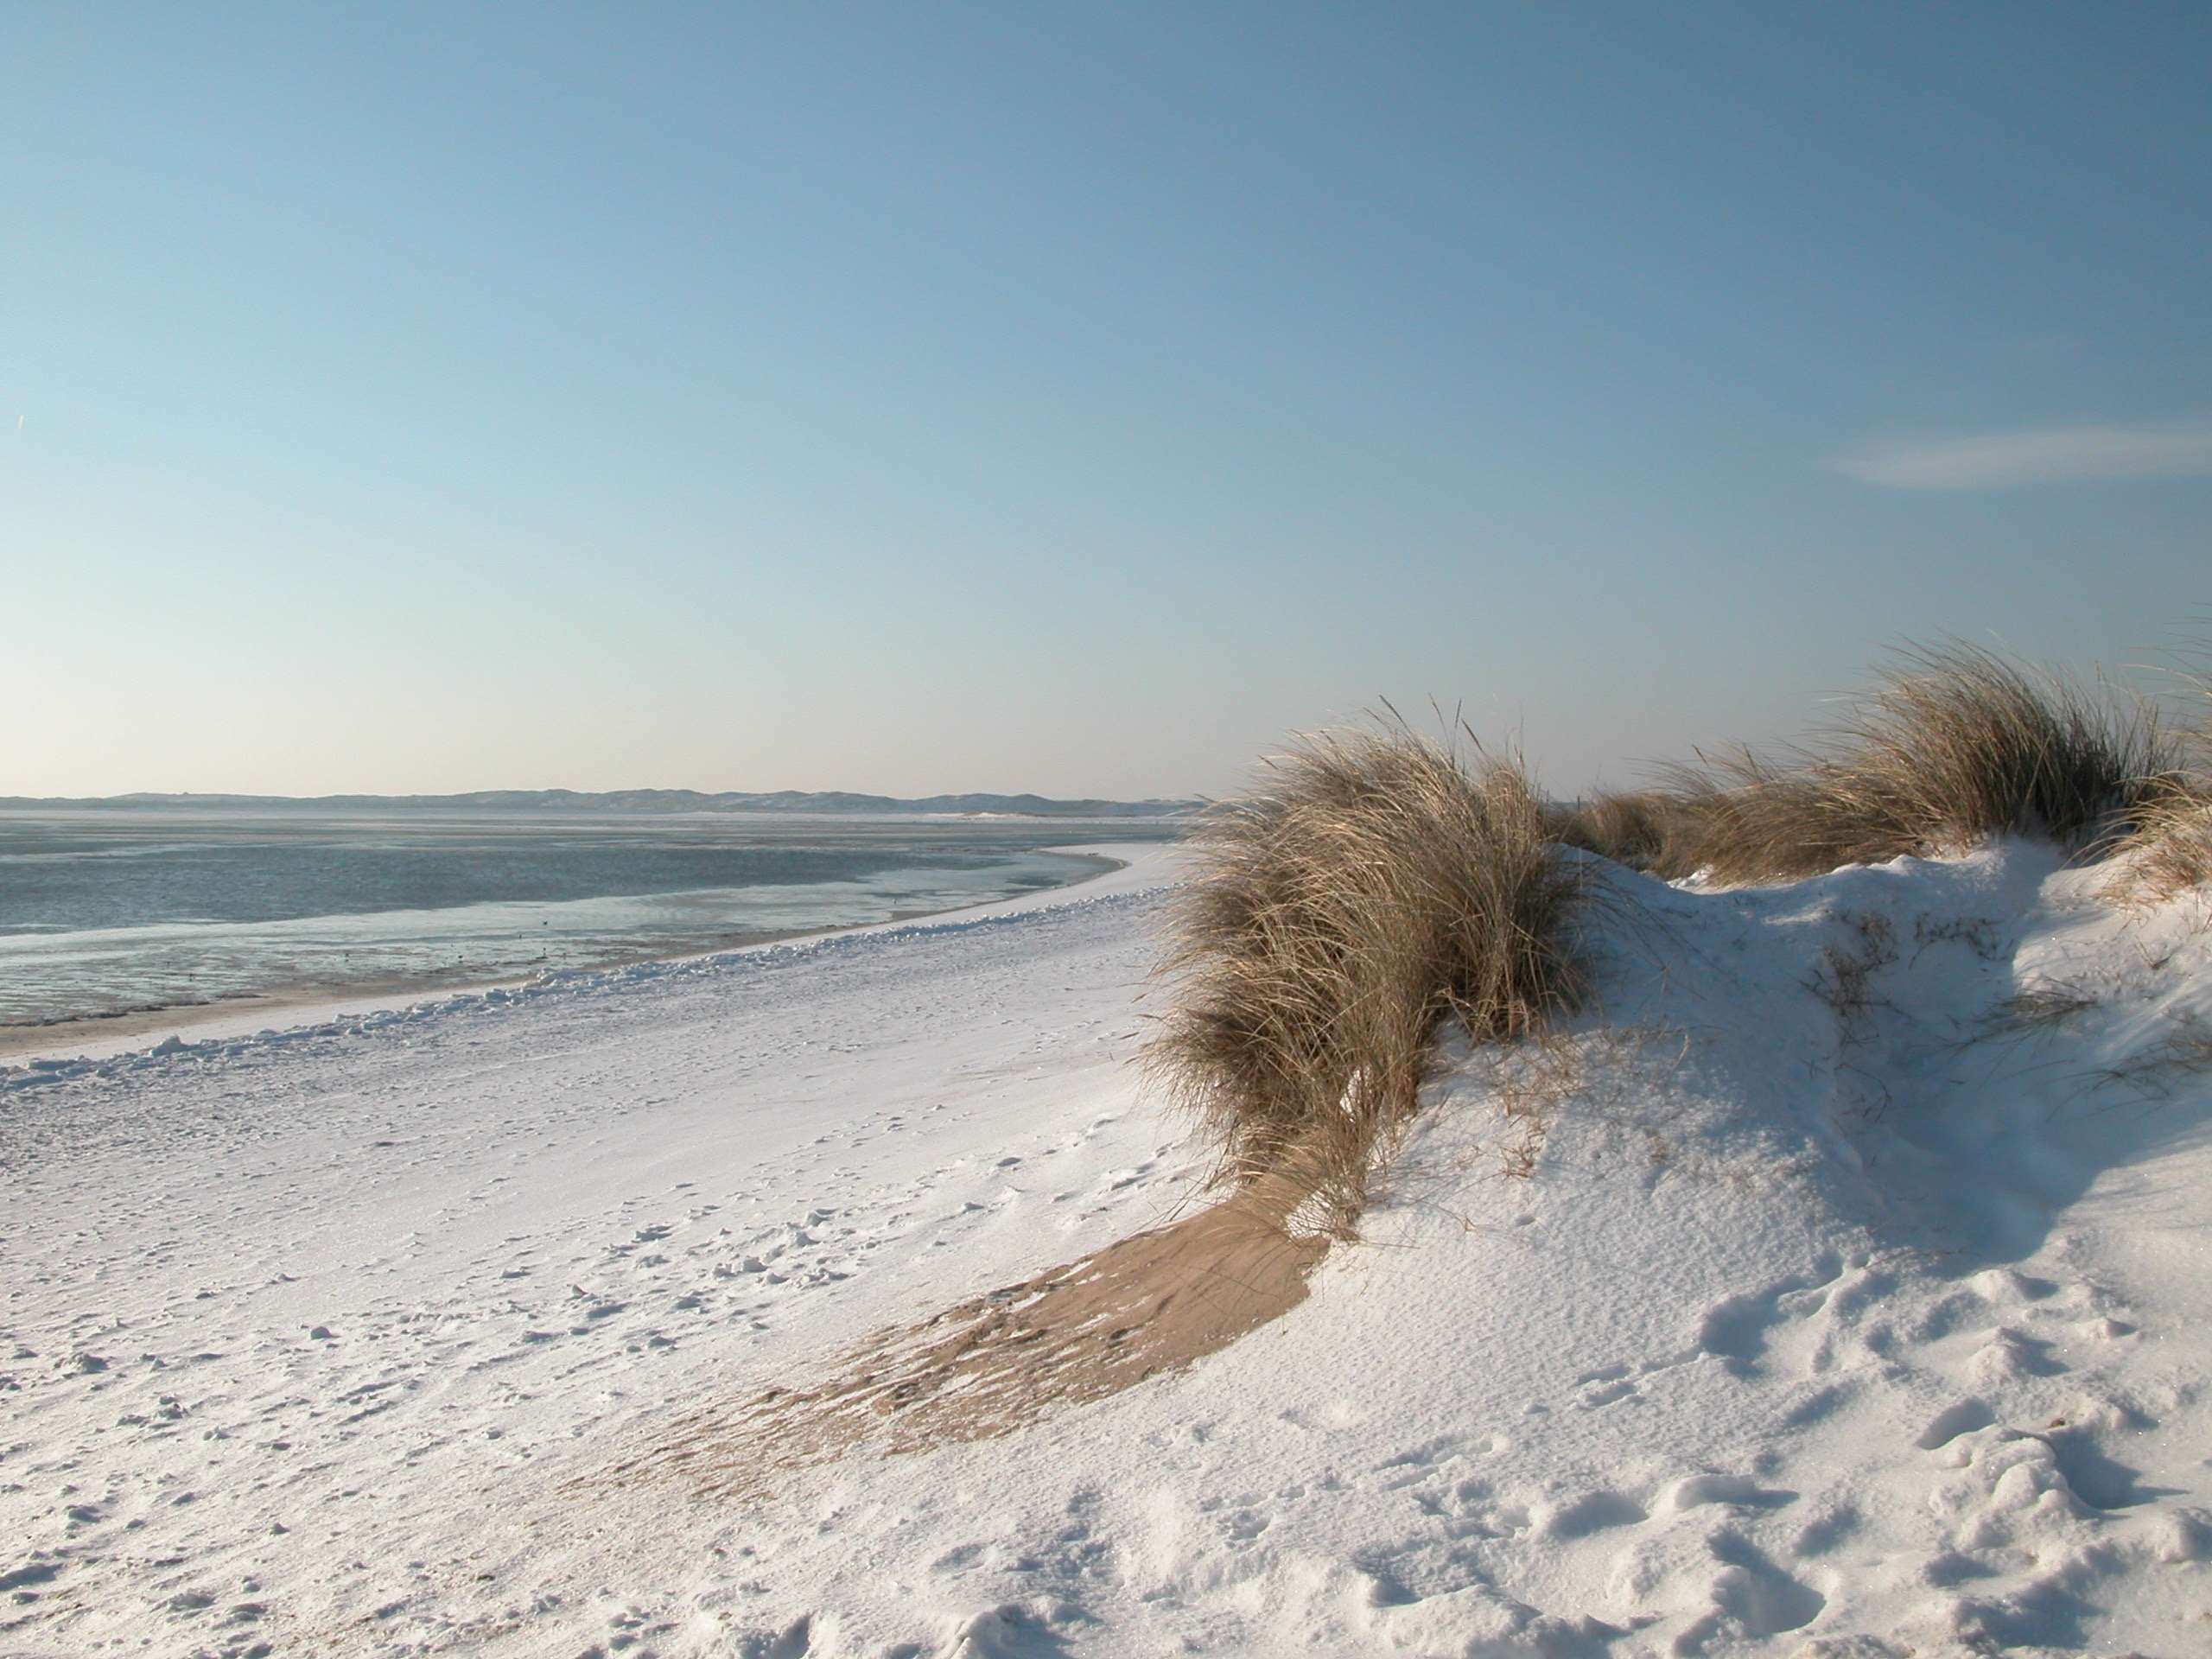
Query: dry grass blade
{"points": [[2184, 1055], [2038, 1010], [1379, 884]]}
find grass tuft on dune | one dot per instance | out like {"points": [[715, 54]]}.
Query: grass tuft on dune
{"points": [[1376, 883], [2168, 848], [1951, 747]]}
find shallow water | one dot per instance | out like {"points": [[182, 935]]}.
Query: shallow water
{"points": [[109, 911]]}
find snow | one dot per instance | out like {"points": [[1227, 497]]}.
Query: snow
{"points": [[1853, 1302]]}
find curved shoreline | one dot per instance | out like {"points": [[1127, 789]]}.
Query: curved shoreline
{"points": [[100, 1036]]}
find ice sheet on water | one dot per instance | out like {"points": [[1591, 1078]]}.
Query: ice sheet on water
{"points": [[210, 908]]}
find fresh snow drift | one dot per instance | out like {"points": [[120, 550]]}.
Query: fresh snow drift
{"points": [[1853, 1302]]}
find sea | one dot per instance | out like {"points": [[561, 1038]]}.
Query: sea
{"points": [[106, 913]]}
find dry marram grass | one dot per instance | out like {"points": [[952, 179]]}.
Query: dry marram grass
{"points": [[2169, 849], [1376, 884], [1952, 747], [1644, 829]]}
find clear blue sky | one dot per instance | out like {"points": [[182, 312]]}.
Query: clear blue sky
{"points": [[1068, 399]]}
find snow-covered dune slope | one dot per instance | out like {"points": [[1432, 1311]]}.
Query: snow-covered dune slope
{"points": [[1855, 1303]]}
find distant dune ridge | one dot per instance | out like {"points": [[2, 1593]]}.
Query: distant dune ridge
{"points": [[651, 800]]}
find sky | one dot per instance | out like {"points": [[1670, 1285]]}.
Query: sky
{"points": [[1070, 398]]}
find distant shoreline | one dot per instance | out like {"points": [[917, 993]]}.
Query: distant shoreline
{"points": [[112, 1033], [824, 802]]}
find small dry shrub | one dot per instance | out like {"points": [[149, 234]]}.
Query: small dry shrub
{"points": [[1954, 746], [1844, 979], [1375, 884], [2038, 1010]]}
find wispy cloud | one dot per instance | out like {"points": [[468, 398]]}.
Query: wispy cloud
{"points": [[2043, 454]]}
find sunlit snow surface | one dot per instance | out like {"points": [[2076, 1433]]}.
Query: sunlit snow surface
{"points": [[1855, 1306]]}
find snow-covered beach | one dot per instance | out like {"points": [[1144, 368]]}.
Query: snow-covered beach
{"points": [[1854, 1303], [1002, 831]]}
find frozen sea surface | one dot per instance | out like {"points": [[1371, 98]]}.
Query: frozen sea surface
{"points": [[113, 911]]}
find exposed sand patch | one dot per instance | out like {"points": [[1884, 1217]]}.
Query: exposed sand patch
{"points": [[1154, 1302]]}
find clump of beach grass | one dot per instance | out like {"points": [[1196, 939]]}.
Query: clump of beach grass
{"points": [[1953, 747], [2167, 850], [1647, 830], [1375, 884], [1378, 883]]}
